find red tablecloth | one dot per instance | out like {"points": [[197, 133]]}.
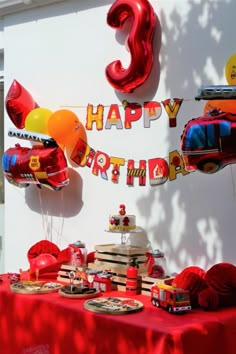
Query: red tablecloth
{"points": [[52, 324]]}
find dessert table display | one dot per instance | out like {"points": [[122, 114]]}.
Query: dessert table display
{"points": [[113, 305], [52, 324]]}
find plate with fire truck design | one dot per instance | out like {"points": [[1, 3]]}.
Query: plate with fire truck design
{"points": [[113, 305]]}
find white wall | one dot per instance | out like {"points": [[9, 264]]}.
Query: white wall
{"points": [[59, 54], [1, 35]]}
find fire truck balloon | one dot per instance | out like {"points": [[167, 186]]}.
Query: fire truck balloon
{"points": [[43, 164]]}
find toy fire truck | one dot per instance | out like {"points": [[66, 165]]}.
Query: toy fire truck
{"points": [[170, 298]]}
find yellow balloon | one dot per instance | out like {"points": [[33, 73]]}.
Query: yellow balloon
{"points": [[230, 70], [37, 120]]}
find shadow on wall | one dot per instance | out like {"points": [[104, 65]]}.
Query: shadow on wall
{"points": [[139, 239], [66, 203], [191, 226]]}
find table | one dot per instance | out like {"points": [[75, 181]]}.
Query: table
{"points": [[52, 324]]}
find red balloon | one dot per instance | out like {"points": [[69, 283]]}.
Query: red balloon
{"points": [[139, 43], [42, 261], [19, 103]]}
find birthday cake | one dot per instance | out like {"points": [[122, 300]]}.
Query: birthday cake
{"points": [[122, 221]]}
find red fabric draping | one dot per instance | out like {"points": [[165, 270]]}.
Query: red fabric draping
{"points": [[51, 324]]}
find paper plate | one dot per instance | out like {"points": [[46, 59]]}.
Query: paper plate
{"points": [[35, 287], [113, 305]]}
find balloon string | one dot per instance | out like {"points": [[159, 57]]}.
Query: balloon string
{"points": [[48, 224], [232, 177], [42, 214], [59, 234], [107, 105]]}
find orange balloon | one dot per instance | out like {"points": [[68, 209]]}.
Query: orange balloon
{"points": [[228, 106], [80, 134], [63, 125]]}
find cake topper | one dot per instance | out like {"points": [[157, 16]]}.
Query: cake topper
{"points": [[122, 210]]}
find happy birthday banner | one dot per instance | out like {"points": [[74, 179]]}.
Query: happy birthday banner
{"points": [[157, 170], [151, 110]]}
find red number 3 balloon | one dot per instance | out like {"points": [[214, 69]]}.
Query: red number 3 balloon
{"points": [[139, 42]]}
